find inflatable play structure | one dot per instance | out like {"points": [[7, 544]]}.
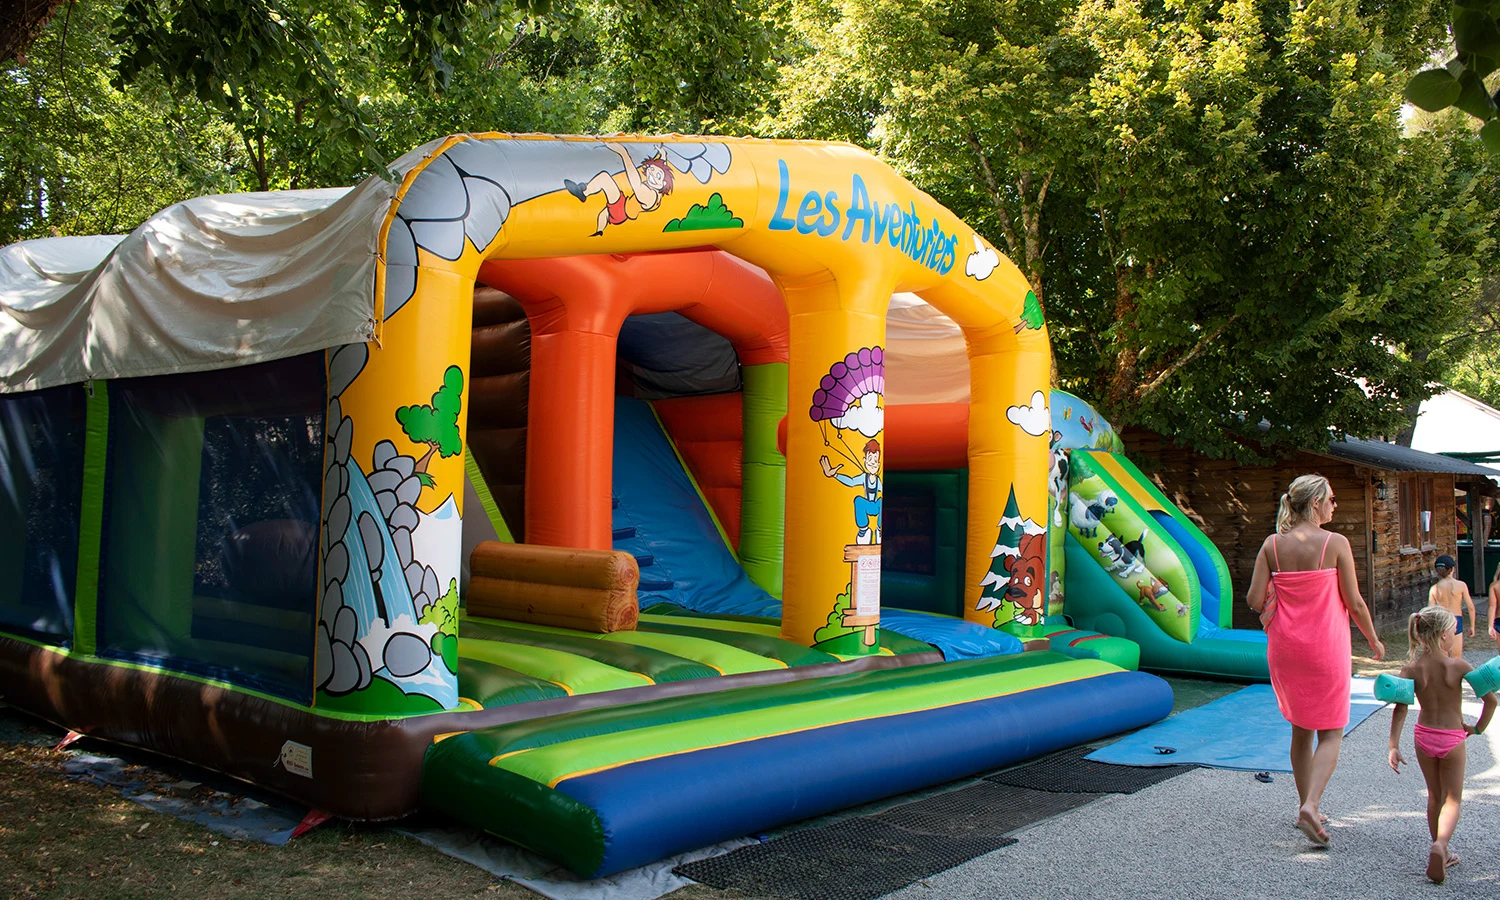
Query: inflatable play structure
{"points": [[549, 485]]}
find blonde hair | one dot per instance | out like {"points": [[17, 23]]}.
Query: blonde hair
{"points": [[1426, 628], [1297, 503]]}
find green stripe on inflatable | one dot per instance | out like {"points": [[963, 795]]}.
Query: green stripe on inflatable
{"points": [[1221, 568], [576, 674], [486, 499], [571, 726], [558, 762], [728, 660], [717, 623], [665, 613], [490, 685], [763, 476], [91, 516], [653, 664], [791, 653], [458, 780]]}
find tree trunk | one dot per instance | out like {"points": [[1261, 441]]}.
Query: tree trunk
{"points": [[1122, 379], [20, 23], [422, 463]]}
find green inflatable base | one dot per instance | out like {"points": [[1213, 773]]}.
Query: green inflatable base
{"points": [[1079, 644], [1097, 603]]}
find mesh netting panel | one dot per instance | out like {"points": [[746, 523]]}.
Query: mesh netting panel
{"points": [[1069, 772], [211, 523], [857, 859], [41, 485]]}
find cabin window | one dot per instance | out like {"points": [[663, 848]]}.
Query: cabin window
{"points": [[1416, 511]]}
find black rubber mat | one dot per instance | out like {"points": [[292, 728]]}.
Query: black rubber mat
{"points": [[857, 859], [1068, 772], [983, 808]]}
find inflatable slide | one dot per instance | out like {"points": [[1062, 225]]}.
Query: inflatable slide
{"points": [[1138, 568]]}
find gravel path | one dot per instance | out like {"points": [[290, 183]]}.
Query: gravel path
{"points": [[1214, 833]]}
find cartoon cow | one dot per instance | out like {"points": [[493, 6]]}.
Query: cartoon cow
{"points": [[1028, 576], [1120, 560], [1086, 515]]}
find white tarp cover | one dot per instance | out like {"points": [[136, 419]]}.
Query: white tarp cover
{"points": [[210, 282]]}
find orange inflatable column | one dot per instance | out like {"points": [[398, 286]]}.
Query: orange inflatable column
{"points": [[569, 461]]}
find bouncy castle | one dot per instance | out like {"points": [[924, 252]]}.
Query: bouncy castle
{"points": [[616, 496]]}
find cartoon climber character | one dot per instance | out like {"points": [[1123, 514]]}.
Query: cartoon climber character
{"points": [[867, 503], [649, 183]]}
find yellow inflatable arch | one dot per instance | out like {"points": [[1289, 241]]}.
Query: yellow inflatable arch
{"points": [[836, 230]]}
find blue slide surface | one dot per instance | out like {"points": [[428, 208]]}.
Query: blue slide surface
{"points": [[660, 519]]}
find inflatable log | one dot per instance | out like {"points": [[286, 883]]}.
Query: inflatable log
{"points": [[586, 590]]}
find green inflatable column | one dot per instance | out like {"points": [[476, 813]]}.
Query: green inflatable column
{"points": [[763, 490]]}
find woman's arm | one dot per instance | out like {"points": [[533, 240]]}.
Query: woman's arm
{"points": [[1353, 600], [1256, 596]]}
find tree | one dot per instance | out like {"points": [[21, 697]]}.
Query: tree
{"points": [[80, 157], [436, 425], [1213, 200]]}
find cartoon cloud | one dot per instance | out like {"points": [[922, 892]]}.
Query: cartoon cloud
{"points": [[1036, 419], [981, 262]]}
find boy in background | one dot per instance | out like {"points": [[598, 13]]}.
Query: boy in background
{"points": [[1453, 595]]}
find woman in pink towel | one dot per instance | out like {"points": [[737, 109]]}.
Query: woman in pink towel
{"points": [[1306, 591]]}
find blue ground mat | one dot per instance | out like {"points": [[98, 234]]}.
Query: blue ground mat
{"points": [[1242, 731]]}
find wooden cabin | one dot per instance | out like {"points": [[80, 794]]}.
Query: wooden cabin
{"points": [[1399, 508]]}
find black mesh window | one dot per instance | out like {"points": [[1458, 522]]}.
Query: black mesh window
{"points": [[211, 523], [41, 489]]}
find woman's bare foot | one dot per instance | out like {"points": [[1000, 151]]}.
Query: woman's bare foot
{"points": [[1308, 823], [1322, 820], [1437, 863]]}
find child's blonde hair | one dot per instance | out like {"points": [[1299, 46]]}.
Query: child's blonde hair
{"points": [[1426, 628], [1297, 503]]}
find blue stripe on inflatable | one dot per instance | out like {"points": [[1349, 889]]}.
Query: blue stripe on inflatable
{"points": [[1203, 564], [655, 808]]}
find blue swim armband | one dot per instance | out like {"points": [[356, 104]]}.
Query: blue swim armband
{"points": [[1485, 679], [1392, 689]]}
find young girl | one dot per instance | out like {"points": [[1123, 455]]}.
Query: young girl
{"points": [[1440, 730]]}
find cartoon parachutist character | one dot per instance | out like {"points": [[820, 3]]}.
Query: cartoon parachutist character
{"points": [[649, 183], [867, 504]]}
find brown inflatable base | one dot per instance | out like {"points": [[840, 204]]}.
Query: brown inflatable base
{"points": [[361, 770]]}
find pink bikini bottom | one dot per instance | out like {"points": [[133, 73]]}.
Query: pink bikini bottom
{"points": [[1439, 742]]}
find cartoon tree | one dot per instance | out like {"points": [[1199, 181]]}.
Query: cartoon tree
{"points": [[1031, 313], [1006, 546], [436, 425]]}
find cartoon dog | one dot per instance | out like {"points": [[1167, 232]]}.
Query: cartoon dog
{"points": [[1086, 515], [1119, 560], [1150, 589], [1028, 576]]}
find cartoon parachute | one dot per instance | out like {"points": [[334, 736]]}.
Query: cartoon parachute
{"points": [[850, 398]]}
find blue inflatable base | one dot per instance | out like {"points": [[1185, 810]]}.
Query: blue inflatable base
{"points": [[656, 808]]}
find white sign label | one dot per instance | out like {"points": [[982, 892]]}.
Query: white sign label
{"points": [[297, 758], [867, 586]]}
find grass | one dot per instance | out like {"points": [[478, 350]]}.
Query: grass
{"points": [[61, 837]]}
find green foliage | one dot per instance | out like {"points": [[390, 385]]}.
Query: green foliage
{"points": [[79, 157], [836, 627], [1465, 82], [437, 424], [443, 613], [703, 216], [1031, 313]]}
